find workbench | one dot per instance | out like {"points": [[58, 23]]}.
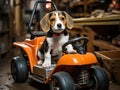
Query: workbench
{"points": [[87, 25]]}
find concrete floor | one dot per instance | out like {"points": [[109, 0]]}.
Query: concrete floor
{"points": [[7, 83]]}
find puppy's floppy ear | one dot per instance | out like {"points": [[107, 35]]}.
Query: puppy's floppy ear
{"points": [[45, 23], [69, 21]]}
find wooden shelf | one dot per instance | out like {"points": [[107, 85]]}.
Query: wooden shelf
{"points": [[72, 4], [105, 45], [75, 6], [80, 15], [4, 32], [91, 28], [6, 29], [108, 20]]}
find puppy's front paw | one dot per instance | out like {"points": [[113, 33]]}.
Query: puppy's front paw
{"points": [[70, 49], [72, 52], [39, 62], [46, 64]]}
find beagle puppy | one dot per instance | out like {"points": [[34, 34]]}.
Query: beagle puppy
{"points": [[56, 24]]}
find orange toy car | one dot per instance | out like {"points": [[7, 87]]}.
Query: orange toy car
{"points": [[71, 72]]}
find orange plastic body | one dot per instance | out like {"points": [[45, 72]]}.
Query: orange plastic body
{"points": [[31, 47], [66, 63], [77, 59]]}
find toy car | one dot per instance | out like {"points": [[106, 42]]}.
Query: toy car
{"points": [[71, 72]]}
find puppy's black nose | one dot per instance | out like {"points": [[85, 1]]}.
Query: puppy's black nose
{"points": [[59, 25]]}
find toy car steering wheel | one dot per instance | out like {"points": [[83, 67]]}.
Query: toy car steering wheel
{"points": [[81, 47]]}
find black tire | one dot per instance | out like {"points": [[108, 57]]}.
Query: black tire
{"points": [[99, 78], [61, 80], [19, 69]]}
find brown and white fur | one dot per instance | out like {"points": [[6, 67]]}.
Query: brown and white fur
{"points": [[56, 24]]}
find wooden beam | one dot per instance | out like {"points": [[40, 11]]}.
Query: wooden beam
{"points": [[18, 18], [105, 45]]}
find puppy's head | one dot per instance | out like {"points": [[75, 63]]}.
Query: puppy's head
{"points": [[57, 21]]}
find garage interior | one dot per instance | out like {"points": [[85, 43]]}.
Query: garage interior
{"points": [[99, 20]]}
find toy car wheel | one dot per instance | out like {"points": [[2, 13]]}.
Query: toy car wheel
{"points": [[99, 78], [61, 81], [19, 69]]}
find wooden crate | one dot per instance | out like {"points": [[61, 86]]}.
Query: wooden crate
{"points": [[111, 62]]}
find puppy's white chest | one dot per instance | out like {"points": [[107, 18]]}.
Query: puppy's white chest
{"points": [[56, 44]]}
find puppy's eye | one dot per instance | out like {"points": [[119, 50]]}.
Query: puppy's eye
{"points": [[52, 19], [62, 19]]}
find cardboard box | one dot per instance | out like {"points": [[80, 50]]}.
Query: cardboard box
{"points": [[111, 62]]}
